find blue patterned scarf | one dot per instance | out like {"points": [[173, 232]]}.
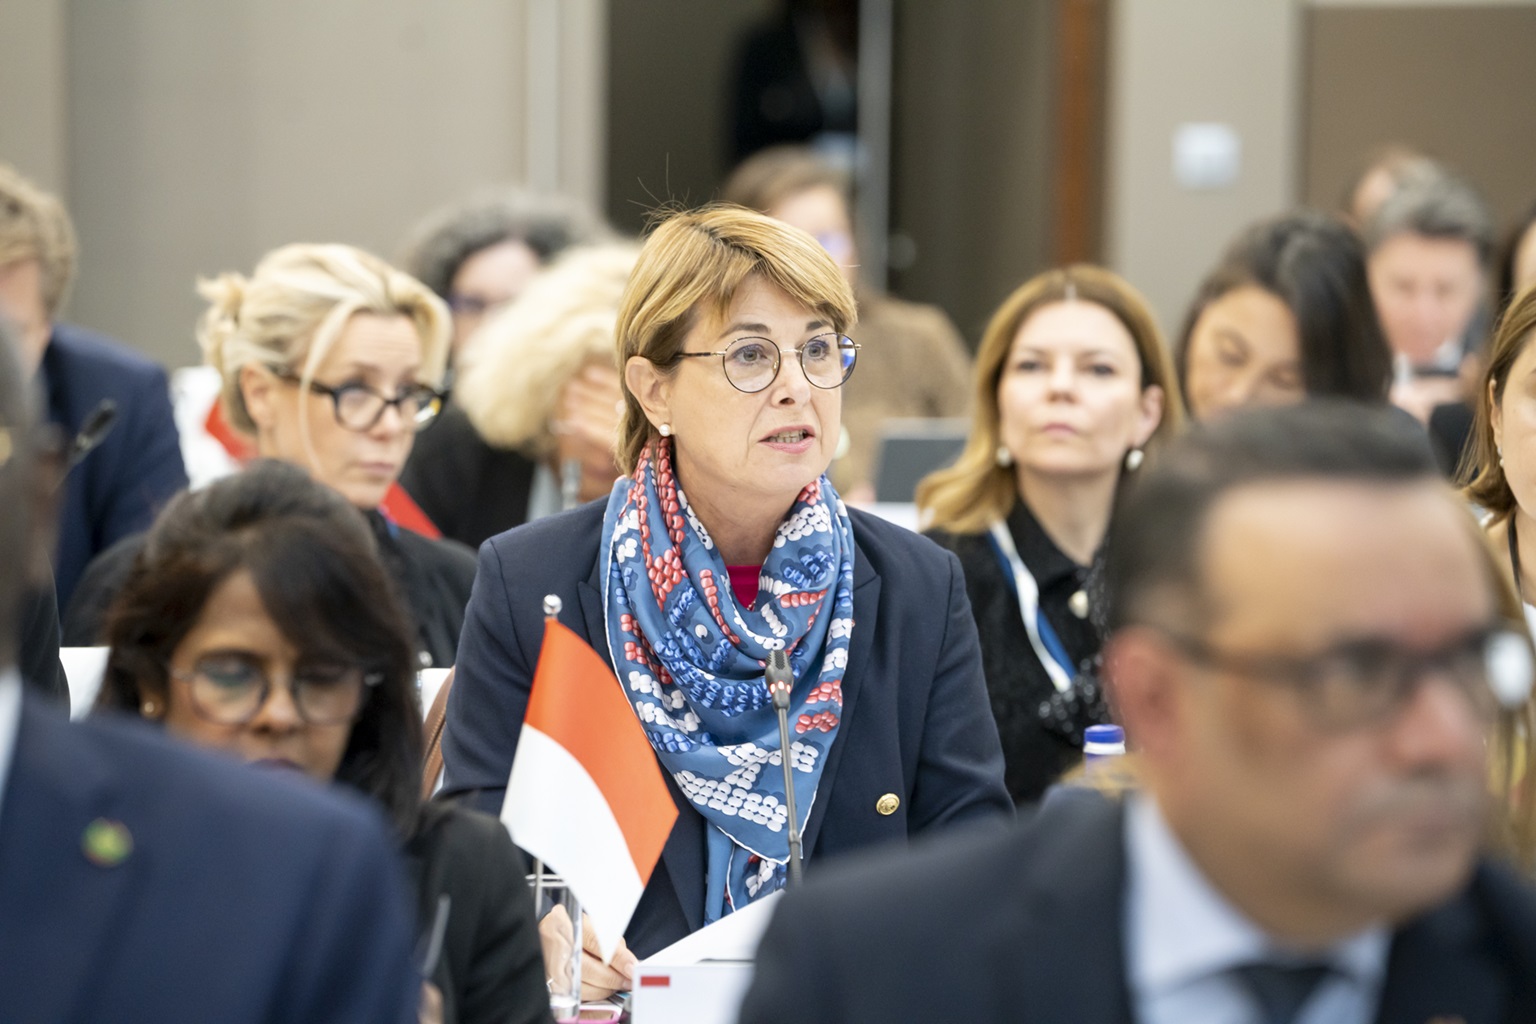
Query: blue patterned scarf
{"points": [[691, 659]]}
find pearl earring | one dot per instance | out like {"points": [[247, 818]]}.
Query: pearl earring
{"points": [[1133, 460], [1499, 450], [1004, 456], [665, 430], [149, 708]]}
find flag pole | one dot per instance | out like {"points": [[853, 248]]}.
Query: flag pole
{"points": [[570, 1002], [552, 606]]}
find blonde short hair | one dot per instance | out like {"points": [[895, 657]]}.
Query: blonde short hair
{"points": [[513, 368], [35, 226], [976, 491], [293, 307], [691, 266]]}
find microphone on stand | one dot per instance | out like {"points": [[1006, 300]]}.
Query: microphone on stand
{"points": [[92, 432], [781, 679]]}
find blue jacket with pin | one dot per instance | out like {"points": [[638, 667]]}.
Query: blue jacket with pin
{"points": [[141, 881]]}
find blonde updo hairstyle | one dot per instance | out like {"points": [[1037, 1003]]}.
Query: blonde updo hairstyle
{"points": [[691, 267], [288, 314], [512, 370], [976, 491]]}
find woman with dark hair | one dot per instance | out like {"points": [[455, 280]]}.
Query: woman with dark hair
{"points": [[1286, 315], [257, 619]]}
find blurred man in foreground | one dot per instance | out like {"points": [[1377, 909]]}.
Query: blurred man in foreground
{"points": [[1307, 655]]}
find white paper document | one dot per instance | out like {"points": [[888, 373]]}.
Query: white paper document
{"points": [[733, 937]]}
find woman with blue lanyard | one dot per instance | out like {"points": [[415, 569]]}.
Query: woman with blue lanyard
{"points": [[1072, 385], [724, 543]]}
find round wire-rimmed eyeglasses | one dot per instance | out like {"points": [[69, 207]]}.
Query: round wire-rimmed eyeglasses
{"points": [[751, 364]]}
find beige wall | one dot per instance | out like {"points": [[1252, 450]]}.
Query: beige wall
{"points": [[1454, 80], [971, 158], [1175, 61], [32, 89], [671, 66], [190, 137]]}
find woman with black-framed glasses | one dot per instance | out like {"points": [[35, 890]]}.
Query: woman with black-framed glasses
{"points": [[331, 359], [258, 621], [722, 543]]}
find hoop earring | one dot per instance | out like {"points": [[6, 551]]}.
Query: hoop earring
{"points": [[665, 430], [1004, 456], [1133, 460]]}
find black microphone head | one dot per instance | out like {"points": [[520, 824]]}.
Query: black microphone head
{"points": [[92, 432], [97, 424]]}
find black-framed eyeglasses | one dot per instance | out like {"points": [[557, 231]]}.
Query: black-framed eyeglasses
{"points": [[1367, 681], [229, 690], [751, 364], [358, 407]]}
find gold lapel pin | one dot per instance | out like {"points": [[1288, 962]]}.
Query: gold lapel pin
{"points": [[888, 804], [106, 843]]}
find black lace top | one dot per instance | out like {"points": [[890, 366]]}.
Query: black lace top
{"points": [[1040, 731]]}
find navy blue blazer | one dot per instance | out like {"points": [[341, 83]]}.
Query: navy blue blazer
{"points": [[1026, 924], [916, 723], [120, 487], [244, 899]]}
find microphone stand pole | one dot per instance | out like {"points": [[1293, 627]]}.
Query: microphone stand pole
{"points": [[780, 681]]}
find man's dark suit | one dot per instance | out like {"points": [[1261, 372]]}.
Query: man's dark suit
{"points": [[916, 725], [244, 898], [118, 489], [1025, 925]]}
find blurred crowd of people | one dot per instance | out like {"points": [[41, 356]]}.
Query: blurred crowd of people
{"points": [[1280, 549]]}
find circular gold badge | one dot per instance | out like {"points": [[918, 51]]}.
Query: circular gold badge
{"points": [[888, 803]]}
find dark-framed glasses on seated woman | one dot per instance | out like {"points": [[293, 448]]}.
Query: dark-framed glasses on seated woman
{"points": [[751, 364], [230, 689], [1364, 682], [358, 407]]}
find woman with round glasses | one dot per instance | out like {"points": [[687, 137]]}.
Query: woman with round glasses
{"points": [[722, 543], [330, 359], [257, 620], [1072, 383]]}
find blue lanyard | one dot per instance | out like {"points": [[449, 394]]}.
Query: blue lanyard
{"points": [[1049, 649]]}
